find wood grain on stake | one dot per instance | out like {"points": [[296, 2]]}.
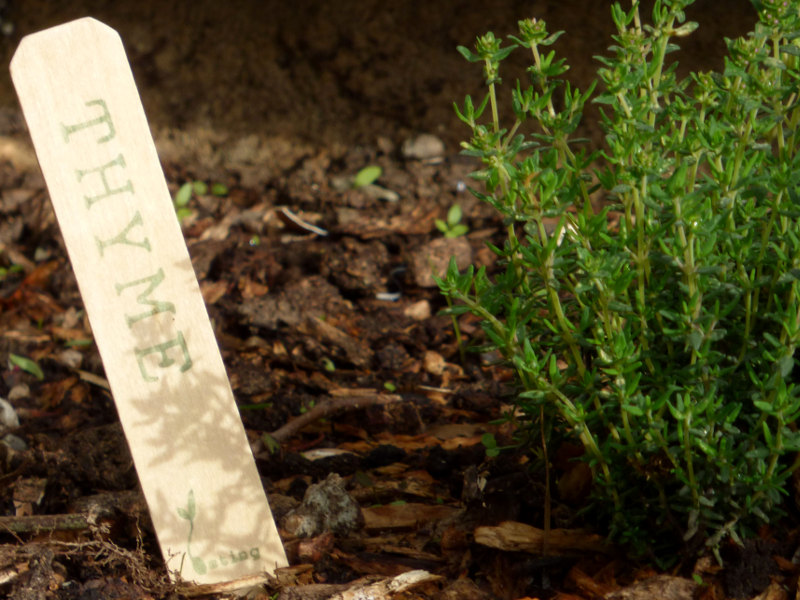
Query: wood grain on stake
{"points": [[149, 321]]}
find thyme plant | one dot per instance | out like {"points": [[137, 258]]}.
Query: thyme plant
{"points": [[648, 297]]}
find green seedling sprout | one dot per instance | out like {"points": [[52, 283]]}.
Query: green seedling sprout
{"points": [[367, 176], [490, 443], [194, 188], [219, 189], [181, 200], [26, 364], [13, 268], [272, 445], [452, 227], [6, 271]]}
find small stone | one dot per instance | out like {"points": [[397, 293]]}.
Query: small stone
{"points": [[419, 311], [388, 296], [300, 525], [19, 392], [70, 358], [314, 549], [341, 183], [434, 362], [434, 257], [658, 586], [423, 147], [326, 507], [15, 443], [380, 193], [8, 416]]}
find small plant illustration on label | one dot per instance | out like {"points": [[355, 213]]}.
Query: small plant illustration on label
{"points": [[201, 567], [189, 513]]}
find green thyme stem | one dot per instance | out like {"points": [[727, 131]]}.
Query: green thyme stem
{"points": [[566, 155], [456, 331], [766, 235], [585, 435], [491, 68], [794, 122], [744, 141], [557, 308], [654, 81], [688, 266], [588, 441], [688, 455], [642, 270], [493, 102], [537, 60]]}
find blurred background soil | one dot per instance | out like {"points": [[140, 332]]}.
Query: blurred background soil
{"points": [[258, 82]]}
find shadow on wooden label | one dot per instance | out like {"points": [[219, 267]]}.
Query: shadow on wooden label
{"points": [[161, 358]]}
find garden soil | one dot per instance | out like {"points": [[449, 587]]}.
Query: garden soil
{"points": [[324, 309]]}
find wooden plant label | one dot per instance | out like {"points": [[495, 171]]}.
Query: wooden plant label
{"points": [[141, 294]]}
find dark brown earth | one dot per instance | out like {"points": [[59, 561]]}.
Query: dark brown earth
{"points": [[282, 102], [265, 82]]}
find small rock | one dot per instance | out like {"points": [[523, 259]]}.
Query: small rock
{"points": [[341, 183], [15, 443], [313, 550], [70, 358], [434, 363], [393, 356], [8, 416], [19, 392], [388, 296], [380, 193], [423, 147], [326, 507], [666, 587], [434, 257], [419, 311]]}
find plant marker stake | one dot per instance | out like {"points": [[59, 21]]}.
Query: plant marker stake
{"points": [[161, 358]]}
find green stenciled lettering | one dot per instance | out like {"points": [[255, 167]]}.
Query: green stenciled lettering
{"points": [[144, 298], [122, 237], [104, 119], [107, 190], [165, 360]]}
